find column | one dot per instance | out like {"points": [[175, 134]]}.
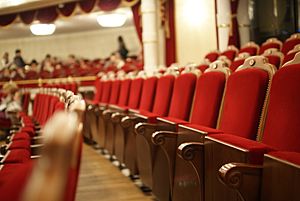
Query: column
{"points": [[150, 36]]}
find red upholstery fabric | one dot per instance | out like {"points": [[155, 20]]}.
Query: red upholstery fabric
{"points": [[282, 126], [21, 136], [124, 92], [19, 144], [13, 179], [235, 64], [59, 106], [115, 90], [256, 149], [243, 102], [182, 97], [17, 156], [208, 97], [212, 56], [275, 60], [288, 57], [106, 91], [268, 46], [251, 50], [135, 93], [292, 157], [98, 85], [163, 95], [204, 128], [289, 45], [29, 130], [150, 116], [148, 94], [202, 67], [230, 54], [176, 120]]}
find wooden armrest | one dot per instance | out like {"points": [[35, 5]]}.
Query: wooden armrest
{"points": [[117, 116], [147, 129], [128, 121], [36, 149], [193, 152], [107, 114], [243, 178]]}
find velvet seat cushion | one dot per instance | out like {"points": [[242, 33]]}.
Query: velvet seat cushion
{"points": [[20, 136], [13, 179], [256, 149], [17, 156], [19, 144]]}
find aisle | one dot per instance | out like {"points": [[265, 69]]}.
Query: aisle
{"points": [[99, 180]]}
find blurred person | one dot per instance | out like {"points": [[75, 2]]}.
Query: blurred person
{"points": [[47, 64], [5, 63], [10, 105], [34, 66], [123, 51], [18, 59]]}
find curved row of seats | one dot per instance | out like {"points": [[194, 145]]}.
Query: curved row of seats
{"points": [[50, 136], [208, 118], [276, 51]]}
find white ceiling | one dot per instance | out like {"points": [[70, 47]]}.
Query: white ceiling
{"points": [[76, 23]]}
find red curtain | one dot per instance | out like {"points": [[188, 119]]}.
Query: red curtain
{"points": [[7, 19], [136, 11], [87, 5], [27, 17], [170, 33], [234, 36], [67, 9], [108, 5], [47, 15]]}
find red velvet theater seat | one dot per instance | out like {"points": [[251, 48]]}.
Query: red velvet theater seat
{"points": [[231, 52], [291, 54], [281, 130], [250, 47], [122, 135], [123, 97], [161, 103], [270, 43], [181, 101], [212, 56], [245, 97], [290, 43], [274, 56], [111, 121], [238, 61], [205, 111]]}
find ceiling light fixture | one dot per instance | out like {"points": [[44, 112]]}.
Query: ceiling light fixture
{"points": [[42, 29], [112, 19]]}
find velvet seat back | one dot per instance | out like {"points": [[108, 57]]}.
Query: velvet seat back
{"points": [[289, 44], [249, 49], [98, 85], [106, 91], [235, 64], [115, 90], [148, 94], [163, 95], [208, 97], [212, 56], [266, 46], [282, 126], [124, 92], [182, 96], [135, 93], [243, 103]]}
